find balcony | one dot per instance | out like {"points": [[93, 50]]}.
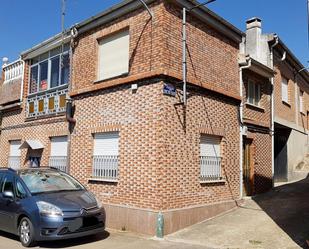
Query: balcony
{"points": [[51, 102], [10, 90]]}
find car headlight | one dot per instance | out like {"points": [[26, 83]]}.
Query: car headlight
{"points": [[99, 204], [48, 209]]}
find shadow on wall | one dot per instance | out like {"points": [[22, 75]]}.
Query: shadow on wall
{"points": [[288, 207]]}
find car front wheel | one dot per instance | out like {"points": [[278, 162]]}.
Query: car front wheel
{"points": [[26, 232]]}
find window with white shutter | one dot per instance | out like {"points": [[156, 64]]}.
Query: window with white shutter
{"points": [[114, 55], [105, 156], [15, 153], [285, 90], [58, 153], [210, 158]]}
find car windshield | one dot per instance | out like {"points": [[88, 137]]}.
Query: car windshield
{"points": [[41, 181]]}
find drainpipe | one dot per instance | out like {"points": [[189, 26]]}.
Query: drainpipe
{"points": [[22, 83], [241, 68], [272, 111], [69, 117], [184, 57]]}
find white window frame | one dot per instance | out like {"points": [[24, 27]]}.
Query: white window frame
{"points": [[252, 95], [285, 90], [14, 159], [123, 34], [56, 159], [210, 158], [50, 57], [105, 165]]}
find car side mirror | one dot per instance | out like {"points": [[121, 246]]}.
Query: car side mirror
{"points": [[8, 194]]}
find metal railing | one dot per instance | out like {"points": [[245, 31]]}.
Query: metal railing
{"points": [[14, 162], [59, 162], [105, 167], [210, 168], [13, 71], [49, 102]]}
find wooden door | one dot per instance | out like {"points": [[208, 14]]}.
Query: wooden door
{"points": [[247, 168]]}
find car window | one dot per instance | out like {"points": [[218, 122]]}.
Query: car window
{"points": [[49, 181], [20, 190], [7, 184]]}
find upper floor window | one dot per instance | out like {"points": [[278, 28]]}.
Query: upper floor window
{"points": [[50, 70], [113, 55], [301, 101], [253, 93], [285, 90]]}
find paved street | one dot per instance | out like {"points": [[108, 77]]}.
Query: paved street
{"points": [[278, 219]]}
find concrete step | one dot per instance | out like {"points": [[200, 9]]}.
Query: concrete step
{"points": [[298, 175]]}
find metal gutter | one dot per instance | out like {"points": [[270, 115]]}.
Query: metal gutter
{"points": [[45, 45], [128, 6]]}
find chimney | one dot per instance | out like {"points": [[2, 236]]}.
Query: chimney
{"points": [[254, 37]]}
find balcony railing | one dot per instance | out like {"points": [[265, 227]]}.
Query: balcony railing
{"points": [[14, 162], [210, 168], [59, 162], [105, 167], [46, 103], [13, 71]]}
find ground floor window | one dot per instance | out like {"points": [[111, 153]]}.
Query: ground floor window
{"points": [[210, 158], [105, 156], [15, 153], [58, 153]]}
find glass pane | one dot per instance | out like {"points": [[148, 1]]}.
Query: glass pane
{"points": [[51, 103], [41, 105], [31, 107], [33, 79], [62, 100], [250, 92], [65, 69], [44, 56], [43, 76], [257, 94], [54, 77], [55, 51]]}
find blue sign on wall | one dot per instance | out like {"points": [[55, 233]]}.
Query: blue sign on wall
{"points": [[169, 89]]}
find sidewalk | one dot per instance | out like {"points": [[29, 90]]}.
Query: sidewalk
{"points": [[277, 219]]}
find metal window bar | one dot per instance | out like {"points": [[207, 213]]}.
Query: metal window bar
{"points": [[14, 162], [105, 167], [210, 168], [59, 162]]}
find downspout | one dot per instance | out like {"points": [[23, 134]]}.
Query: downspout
{"points": [[22, 83], [184, 57], [68, 116], [241, 68], [272, 111]]}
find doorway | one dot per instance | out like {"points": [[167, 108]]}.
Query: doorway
{"points": [[248, 176]]}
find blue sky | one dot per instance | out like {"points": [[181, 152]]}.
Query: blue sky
{"points": [[23, 24]]}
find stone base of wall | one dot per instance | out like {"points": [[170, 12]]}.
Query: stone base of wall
{"points": [[144, 221]]}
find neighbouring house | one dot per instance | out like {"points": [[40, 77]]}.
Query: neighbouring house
{"points": [[104, 102]]}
